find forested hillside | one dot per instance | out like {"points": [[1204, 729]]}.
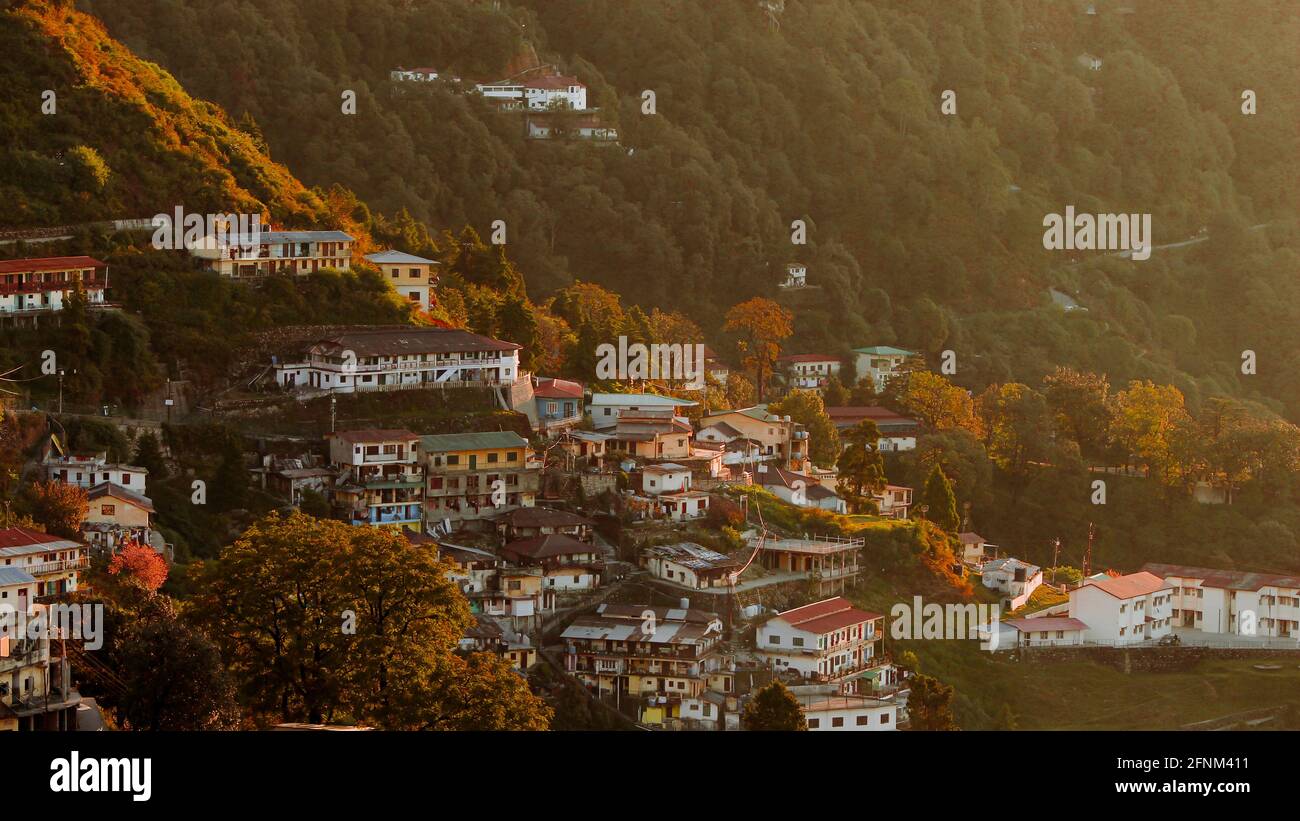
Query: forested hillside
{"points": [[925, 229]]}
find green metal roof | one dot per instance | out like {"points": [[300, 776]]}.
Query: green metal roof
{"points": [[487, 440]]}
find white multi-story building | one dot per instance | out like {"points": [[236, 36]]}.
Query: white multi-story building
{"points": [[36, 690], [90, 469], [1123, 609], [30, 286], [827, 641], [381, 477], [880, 363], [538, 93], [55, 563], [848, 713], [796, 276], [400, 357], [243, 256], [1232, 601], [413, 75], [809, 371]]}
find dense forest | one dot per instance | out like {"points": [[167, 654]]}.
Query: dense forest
{"points": [[924, 229]]}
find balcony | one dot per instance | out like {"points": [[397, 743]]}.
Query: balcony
{"points": [[58, 567]]}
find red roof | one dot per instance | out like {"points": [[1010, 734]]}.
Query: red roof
{"points": [[553, 81], [550, 388], [808, 357], [21, 537], [1046, 623], [1130, 586], [22, 266], [826, 616]]}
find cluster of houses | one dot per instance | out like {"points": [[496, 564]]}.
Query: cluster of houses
{"points": [[675, 666], [1205, 606]]}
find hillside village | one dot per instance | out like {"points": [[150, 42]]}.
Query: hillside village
{"points": [[614, 532], [615, 447]]}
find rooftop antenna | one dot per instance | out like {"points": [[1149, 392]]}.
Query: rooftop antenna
{"points": [[1056, 553]]}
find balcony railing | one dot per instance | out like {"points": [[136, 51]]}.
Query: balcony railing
{"points": [[57, 567]]}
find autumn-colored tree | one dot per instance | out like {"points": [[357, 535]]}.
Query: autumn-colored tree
{"points": [[763, 325], [773, 707], [806, 408], [59, 507], [317, 618], [1145, 423], [740, 391], [861, 468], [929, 706], [938, 403], [138, 566]]}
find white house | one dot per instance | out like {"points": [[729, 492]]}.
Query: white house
{"points": [[809, 371], [606, 407], [668, 477], [897, 432], [400, 357], [798, 489], [1123, 609], [973, 547], [796, 276], [1047, 631], [411, 276], [881, 363], [90, 469], [894, 501], [846, 713], [1233, 601], [413, 75], [538, 93], [36, 285], [829, 640], [1014, 579]]}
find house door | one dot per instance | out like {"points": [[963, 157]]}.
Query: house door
{"points": [[473, 461]]}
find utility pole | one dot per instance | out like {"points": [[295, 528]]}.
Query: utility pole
{"points": [[333, 411], [60, 391], [1056, 554], [1087, 555]]}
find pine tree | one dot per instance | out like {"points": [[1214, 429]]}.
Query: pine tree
{"points": [[941, 501]]}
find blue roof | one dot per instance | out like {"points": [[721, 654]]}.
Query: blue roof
{"points": [[884, 350], [15, 575]]}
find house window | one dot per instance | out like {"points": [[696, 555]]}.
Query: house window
{"points": [[493, 457], [108, 510], [884, 718], [512, 456], [863, 721], [837, 722], [774, 639], [814, 723], [798, 641], [453, 459]]}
